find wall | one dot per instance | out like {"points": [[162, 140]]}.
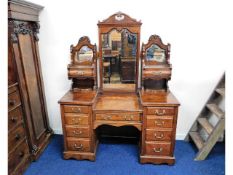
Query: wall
{"points": [[196, 30]]}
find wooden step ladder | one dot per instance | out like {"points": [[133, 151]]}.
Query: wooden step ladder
{"points": [[204, 132]]}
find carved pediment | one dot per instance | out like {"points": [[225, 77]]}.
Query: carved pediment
{"points": [[119, 18]]}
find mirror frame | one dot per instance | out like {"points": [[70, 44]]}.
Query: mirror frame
{"points": [[155, 40], [119, 21], [83, 41]]}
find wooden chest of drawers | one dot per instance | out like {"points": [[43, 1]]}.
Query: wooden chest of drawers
{"points": [[160, 111], [18, 150], [79, 139]]}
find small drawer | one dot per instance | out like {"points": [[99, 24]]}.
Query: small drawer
{"points": [[75, 144], [159, 121], [81, 73], [14, 118], [160, 111], [80, 132], [15, 137], [72, 119], [119, 117], [13, 100], [19, 155], [157, 73], [158, 148], [76, 109], [158, 135]]}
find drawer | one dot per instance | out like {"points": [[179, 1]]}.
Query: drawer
{"points": [[15, 137], [75, 131], [76, 109], [157, 73], [19, 155], [119, 117], [81, 73], [72, 119], [14, 118], [158, 148], [13, 100], [160, 111], [153, 121], [158, 135], [75, 144]]}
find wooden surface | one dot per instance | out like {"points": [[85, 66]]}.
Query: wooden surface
{"points": [[118, 102], [79, 97], [158, 97]]}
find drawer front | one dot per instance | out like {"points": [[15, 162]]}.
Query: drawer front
{"points": [[13, 100], [160, 111], [81, 73], [80, 132], [14, 118], [159, 74], [119, 117], [82, 145], [76, 109], [159, 121], [158, 148], [158, 135], [76, 119], [15, 137], [19, 155]]}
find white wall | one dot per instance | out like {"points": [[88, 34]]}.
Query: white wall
{"points": [[197, 31]]}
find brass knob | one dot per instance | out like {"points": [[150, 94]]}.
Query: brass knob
{"points": [[159, 136], [129, 117], [77, 132], [157, 150], [107, 117], [76, 109], [157, 112], [78, 147], [159, 123], [76, 120]]}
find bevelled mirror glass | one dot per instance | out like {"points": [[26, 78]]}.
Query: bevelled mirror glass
{"points": [[119, 50], [85, 54], [155, 53]]}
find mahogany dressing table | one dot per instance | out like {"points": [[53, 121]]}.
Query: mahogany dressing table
{"points": [[137, 94]]}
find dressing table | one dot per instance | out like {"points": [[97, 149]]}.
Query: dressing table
{"points": [[135, 95]]}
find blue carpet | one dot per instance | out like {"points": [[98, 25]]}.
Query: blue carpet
{"points": [[122, 159]]}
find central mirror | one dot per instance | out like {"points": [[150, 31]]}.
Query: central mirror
{"points": [[119, 51]]}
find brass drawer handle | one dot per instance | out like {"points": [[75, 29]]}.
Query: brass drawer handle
{"points": [[11, 102], [76, 109], [21, 154], [13, 119], [157, 112], [77, 132], [81, 73], [76, 120], [78, 147], [159, 136], [159, 123], [107, 117], [157, 73], [129, 117], [157, 150], [17, 136]]}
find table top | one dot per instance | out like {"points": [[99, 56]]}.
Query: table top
{"points": [[118, 102], [86, 97]]}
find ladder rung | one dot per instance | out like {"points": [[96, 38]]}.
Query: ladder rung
{"points": [[221, 91], [206, 125], [216, 110], [197, 139]]}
